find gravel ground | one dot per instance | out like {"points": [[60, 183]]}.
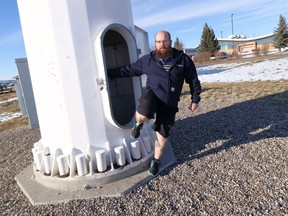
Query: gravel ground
{"points": [[231, 160]]}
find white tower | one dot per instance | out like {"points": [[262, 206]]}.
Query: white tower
{"points": [[85, 118]]}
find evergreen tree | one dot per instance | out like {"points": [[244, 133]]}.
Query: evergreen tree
{"points": [[178, 44], [280, 39], [209, 42]]}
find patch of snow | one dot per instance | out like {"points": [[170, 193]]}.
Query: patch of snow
{"points": [[242, 72], [10, 99], [8, 116]]}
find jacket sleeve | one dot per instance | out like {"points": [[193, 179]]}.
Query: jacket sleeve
{"points": [[192, 79], [133, 69], [114, 72]]}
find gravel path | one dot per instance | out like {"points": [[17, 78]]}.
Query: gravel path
{"points": [[231, 160]]}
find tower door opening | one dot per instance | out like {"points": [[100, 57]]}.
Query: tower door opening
{"points": [[121, 89]]}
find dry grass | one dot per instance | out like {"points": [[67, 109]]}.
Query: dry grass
{"points": [[11, 107], [243, 91], [217, 92], [254, 59], [6, 96], [13, 123], [214, 91], [240, 91]]}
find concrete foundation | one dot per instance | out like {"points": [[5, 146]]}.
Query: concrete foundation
{"points": [[38, 194]]}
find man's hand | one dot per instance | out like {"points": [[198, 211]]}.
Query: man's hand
{"points": [[193, 106]]}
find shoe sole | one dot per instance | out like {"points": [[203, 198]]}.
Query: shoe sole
{"points": [[151, 174], [134, 137]]}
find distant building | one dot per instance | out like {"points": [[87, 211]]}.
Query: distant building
{"points": [[190, 51], [242, 44], [239, 43]]}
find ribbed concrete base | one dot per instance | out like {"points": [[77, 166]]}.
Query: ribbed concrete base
{"points": [[38, 194]]}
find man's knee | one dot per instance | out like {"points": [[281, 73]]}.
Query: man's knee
{"points": [[140, 117], [157, 144], [161, 140]]}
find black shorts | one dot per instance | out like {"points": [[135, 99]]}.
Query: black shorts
{"points": [[149, 105]]}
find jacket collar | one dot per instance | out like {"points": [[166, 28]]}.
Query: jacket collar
{"points": [[175, 54]]}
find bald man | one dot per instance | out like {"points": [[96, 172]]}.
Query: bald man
{"points": [[166, 68]]}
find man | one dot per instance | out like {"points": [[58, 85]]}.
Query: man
{"points": [[166, 69]]}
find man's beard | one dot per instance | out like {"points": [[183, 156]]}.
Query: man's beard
{"points": [[163, 53]]}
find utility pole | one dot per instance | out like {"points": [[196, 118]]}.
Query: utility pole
{"points": [[232, 23], [221, 40]]}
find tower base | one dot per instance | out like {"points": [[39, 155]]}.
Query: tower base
{"points": [[38, 194]]}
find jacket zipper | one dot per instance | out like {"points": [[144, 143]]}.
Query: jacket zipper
{"points": [[168, 84]]}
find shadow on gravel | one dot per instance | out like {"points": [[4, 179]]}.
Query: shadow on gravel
{"points": [[238, 124]]}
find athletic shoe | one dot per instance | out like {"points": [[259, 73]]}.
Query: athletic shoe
{"points": [[154, 167], [135, 133]]}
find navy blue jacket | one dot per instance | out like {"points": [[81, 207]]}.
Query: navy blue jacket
{"points": [[167, 86]]}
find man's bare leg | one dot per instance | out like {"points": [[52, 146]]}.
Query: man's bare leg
{"points": [[159, 146], [140, 119]]}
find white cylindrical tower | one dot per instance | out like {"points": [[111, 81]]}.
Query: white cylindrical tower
{"points": [[70, 45]]}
